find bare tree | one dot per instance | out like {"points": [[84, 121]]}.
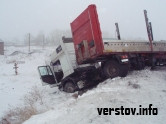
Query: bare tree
{"points": [[56, 36]]}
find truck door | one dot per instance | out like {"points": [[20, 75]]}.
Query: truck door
{"points": [[46, 75]]}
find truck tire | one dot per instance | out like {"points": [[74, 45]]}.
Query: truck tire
{"points": [[138, 63], [69, 87], [140, 66], [111, 69], [124, 70]]}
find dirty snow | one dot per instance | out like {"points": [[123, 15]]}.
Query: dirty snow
{"points": [[138, 88]]}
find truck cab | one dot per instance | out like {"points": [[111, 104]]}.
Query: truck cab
{"points": [[63, 70], [61, 64]]}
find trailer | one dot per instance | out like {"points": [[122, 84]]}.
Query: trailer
{"points": [[87, 58], [90, 47]]}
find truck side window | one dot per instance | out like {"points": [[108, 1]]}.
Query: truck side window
{"points": [[58, 70], [57, 66], [43, 71]]}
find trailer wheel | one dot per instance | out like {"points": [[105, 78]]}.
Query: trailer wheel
{"points": [[111, 69], [69, 87], [124, 70]]}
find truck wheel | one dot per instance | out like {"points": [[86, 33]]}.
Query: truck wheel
{"points": [[111, 69], [69, 87], [124, 70]]}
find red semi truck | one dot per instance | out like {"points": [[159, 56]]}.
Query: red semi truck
{"points": [[87, 58]]}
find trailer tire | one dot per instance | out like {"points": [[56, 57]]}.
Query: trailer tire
{"points": [[124, 70], [69, 87], [111, 69]]}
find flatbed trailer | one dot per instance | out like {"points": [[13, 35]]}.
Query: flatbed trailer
{"points": [[126, 46], [90, 47]]}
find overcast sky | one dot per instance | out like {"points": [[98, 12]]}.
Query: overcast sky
{"points": [[19, 17]]}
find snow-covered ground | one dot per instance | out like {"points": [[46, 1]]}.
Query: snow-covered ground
{"points": [[14, 87], [138, 88]]}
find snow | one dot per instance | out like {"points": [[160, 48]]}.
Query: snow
{"points": [[14, 87], [138, 88], [112, 93]]}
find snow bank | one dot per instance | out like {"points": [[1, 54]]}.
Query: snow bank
{"points": [[138, 88]]}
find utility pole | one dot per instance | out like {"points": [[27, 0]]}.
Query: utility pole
{"points": [[43, 40], [29, 41]]}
